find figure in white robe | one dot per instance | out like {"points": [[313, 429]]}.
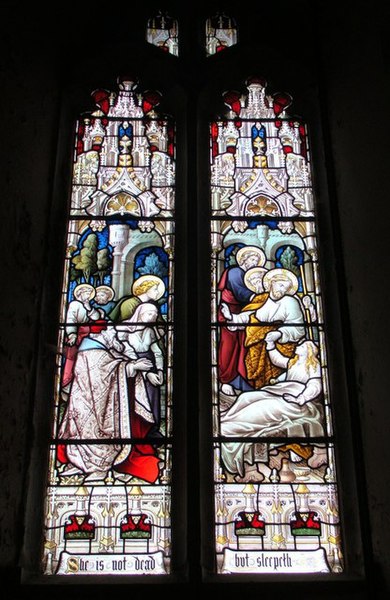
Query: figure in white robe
{"points": [[98, 406], [142, 340]]}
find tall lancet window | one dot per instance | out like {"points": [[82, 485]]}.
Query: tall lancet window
{"points": [[109, 478], [276, 493], [221, 33], [163, 31]]}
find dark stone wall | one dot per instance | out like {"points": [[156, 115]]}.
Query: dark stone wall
{"points": [[39, 48], [356, 66]]}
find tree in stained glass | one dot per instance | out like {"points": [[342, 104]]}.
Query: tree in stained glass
{"points": [[163, 31], [221, 33], [276, 493], [109, 478]]}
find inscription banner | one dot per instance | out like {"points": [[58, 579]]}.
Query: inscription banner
{"points": [[292, 561], [118, 564]]}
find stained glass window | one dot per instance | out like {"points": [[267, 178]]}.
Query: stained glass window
{"points": [[221, 32], [109, 480], [275, 484], [163, 31]]}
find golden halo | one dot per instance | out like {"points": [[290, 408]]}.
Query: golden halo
{"points": [[251, 250], [281, 274], [81, 287], [249, 274], [108, 289], [149, 278]]}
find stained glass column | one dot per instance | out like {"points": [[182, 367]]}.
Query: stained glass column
{"points": [[109, 479], [276, 492]]}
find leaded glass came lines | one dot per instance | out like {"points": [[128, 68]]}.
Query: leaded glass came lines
{"points": [[276, 495], [110, 459]]}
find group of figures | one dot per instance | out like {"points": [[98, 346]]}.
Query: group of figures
{"points": [[269, 365], [112, 375]]}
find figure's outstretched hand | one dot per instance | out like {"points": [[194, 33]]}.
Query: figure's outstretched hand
{"points": [[225, 310]]}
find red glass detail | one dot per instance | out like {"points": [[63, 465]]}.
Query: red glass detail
{"points": [[259, 80], [80, 135], [128, 77], [305, 524], [153, 148], [249, 523], [135, 527], [143, 461], [80, 147], [102, 99], [150, 99], [98, 326], [281, 101], [302, 134], [61, 454], [80, 527], [232, 99], [237, 123], [171, 141], [287, 149], [278, 123], [231, 149], [139, 524], [220, 48], [214, 143]]}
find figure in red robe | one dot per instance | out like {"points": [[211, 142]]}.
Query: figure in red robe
{"points": [[236, 294]]}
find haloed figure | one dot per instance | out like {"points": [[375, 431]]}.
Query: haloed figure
{"points": [[141, 340], [147, 288], [277, 310], [235, 294], [104, 298]]}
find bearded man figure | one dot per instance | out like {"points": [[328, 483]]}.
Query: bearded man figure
{"points": [[278, 311], [235, 294]]}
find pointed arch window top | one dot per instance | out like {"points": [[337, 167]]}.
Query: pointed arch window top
{"points": [[109, 482], [221, 33], [276, 486], [163, 31]]}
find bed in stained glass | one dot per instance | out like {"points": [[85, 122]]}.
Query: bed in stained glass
{"points": [[276, 493], [108, 495]]}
